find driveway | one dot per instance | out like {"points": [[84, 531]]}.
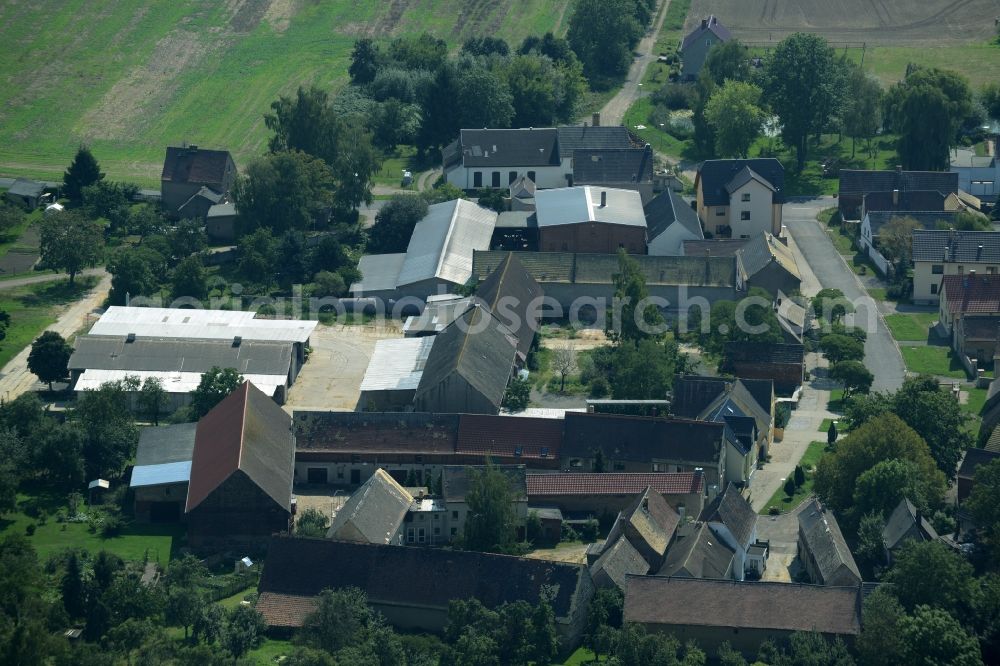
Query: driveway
{"points": [[881, 353], [783, 534]]}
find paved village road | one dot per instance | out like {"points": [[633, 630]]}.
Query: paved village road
{"points": [[881, 352]]}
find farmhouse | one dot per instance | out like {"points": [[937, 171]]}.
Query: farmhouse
{"points": [[769, 263], [437, 259], [697, 43], [193, 180], [588, 219], [869, 240], [822, 549], [220, 222], [940, 253], [856, 184], [740, 198], [240, 490], [411, 587], [733, 521], [744, 614], [782, 363], [970, 314], [670, 221], [161, 473], [606, 493]]}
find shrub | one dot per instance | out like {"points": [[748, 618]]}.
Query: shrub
{"points": [[598, 387], [589, 531], [790, 486], [676, 96], [782, 415], [568, 533], [800, 475], [774, 511], [111, 526], [30, 529]]}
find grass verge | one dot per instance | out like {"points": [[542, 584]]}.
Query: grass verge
{"points": [[911, 325], [932, 360], [808, 462]]}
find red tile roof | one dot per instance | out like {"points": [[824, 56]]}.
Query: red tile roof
{"points": [[615, 483], [502, 436], [972, 294], [285, 610]]}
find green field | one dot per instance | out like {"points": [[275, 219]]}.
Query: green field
{"points": [[131, 78], [911, 325], [808, 462], [928, 360]]}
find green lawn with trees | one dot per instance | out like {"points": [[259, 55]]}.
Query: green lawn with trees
{"points": [[781, 501]]}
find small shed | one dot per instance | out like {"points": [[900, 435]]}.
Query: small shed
{"points": [[26, 193]]}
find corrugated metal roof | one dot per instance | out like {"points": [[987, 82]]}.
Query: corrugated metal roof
{"points": [[155, 475], [442, 243], [173, 382], [204, 324], [574, 205], [165, 444], [396, 365], [378, 272], [222, 210], [256, 357]]}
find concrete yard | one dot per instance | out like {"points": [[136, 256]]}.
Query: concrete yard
{"points": [[783, 533], [331, 378]]}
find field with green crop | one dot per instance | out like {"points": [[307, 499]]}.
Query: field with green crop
{"points": [[129, 78]]}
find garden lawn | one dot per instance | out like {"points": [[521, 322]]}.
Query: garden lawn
{"points": [[825, 425], [270, 651], [580, 657], [932, 360], [661, 141], [808, 462], [33, 308], [911, 325], [836, 402]]}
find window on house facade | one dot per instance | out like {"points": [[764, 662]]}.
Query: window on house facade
{"points": [[454, 531], [934, 288], [719, 212], [720, 229], [659, 467], [477, 179], [531, 176], [745, 196], [937, 269], [961, 270], [576, 462], [496, 179], [745, 215], [454, 515], [990, 270], [511, 177]]}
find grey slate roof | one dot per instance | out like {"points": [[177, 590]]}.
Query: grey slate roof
{"points": [[930, 245], [697, 553], [730, 509], [744, 176], [373, 513], [714, 398], [711, 24], [617, 560], [23, 187], [819, 530], [859, 182], [478, 347], [581, 137], [902, 525], [714, 177], [612, 166], [510, 290], [456, 480], [915, 200], [165, 444], [762, 250], [648, 523], [928, 219], [765, 352], [641, 438], [251, 357], [194, 165], [510, 147], [669, 208]]}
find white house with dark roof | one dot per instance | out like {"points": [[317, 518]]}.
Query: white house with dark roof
{"points": [[855, 184], [740, 198], [622, 168], [669, 222], [696, 45], [733, 520]]}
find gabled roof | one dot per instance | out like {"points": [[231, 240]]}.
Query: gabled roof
{"points": [[523, 188], [668, 208], [859, 182], [764, 249], [397, 364], [23, 187], [697, 553], [710, 24], [506, 436], [694, 394], [375, 432], [648, 523], [245, 432], [972, 294], [698, 602], [510, 290], [730, 509], [926, 219], [373, 513], [948, 245], [714, 247], [195, 165], [163, 455], [611, 166], [790, 310], [616, 561], [744, 176], [972, 459], [765, 352], [907, 200], [456, 480], [296, 570], [378, 273], [197, 323], [993, 443], [442, 242], [981, 328], [615, 483], [906, 522], [510, 147], [479, 348], [577, 205], [641, 438], [819, 530], [714, 178], [584, 137], [733, 404]]}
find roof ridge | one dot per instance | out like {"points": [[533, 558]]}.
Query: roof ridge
{"points": [[243, 423]]}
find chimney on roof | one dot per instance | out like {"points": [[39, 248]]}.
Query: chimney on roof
{"points": [[595, 119], [645, 504], [604, 198], [130, 338], [895, 196], [704, 23]]}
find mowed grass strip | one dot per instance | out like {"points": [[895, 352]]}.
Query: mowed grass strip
{"points": [[911, 325], [932, 360], [808, 461]]}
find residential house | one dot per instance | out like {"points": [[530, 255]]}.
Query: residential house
{"points": [[240, 490], [697, 43], [971, 461], [740, 198], [697, 552], [194, 179], [769, 263], [159, 480], [437, 259], [590, 219], [618, 168], [345, 448], [979, 176], [970, 314], [456, 481], [179, 364], [904, 524], [468, 367], [869, 236], [606, 493], [647, 526], [744, 614], [25, 193], [497, 158], [908, 201], [645, 444], [822, 549], [948, 252], [670, 221], [734, 522], [412, 587], [584, 283], [782, 363], [855, 184], [374, 513]]}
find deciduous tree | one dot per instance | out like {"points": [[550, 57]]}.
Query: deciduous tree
{"points": [[603, 33], [840, 348], [151, 398], [70, 242], [930, 107], [394, 223], [284, 190], [855, 377], [49, 357], [490, 525], [932, 636], [364, 61], [896, 240], [214, 387], [312, 523], [929, 573], [735, 115]]}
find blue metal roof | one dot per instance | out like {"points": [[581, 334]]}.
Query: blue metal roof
{"points": [[155, 475]]}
